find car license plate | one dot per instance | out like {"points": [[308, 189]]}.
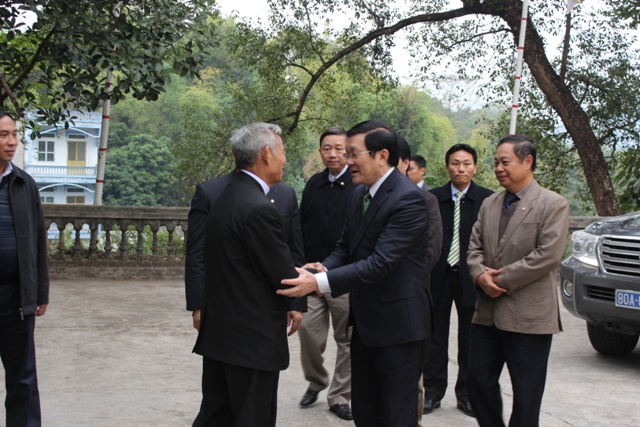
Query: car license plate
{"points": [[627, 299]]}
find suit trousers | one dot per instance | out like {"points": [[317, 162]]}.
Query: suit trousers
{"points": [[313, 342], [234, 396], [384, 383], [17, 349], [526, 356], [435, 372]]}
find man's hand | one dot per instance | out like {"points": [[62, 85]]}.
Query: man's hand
{"points": [[196, 319], [315, 265], [41, 309], [488, 281], [294, 318], [304, 284]]}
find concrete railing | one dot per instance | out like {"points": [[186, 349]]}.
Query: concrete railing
{"points": [[116, 241], [128, 241], [61, 171]]}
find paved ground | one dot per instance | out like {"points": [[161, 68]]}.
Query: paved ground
{"points": [[118, 353]]}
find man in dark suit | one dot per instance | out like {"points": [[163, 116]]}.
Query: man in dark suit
{"points": [[207, 192], [434, 241], [242, 333], [380, 261], [450, 280]]}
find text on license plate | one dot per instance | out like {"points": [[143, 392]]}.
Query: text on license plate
{"points": [[627, 299]]}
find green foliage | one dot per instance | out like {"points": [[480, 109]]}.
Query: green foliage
{"points": [[140, 173], [626, 11], [628, 180], [60, 62]]}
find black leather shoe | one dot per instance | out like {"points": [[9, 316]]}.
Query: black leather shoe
{"points": [[342, 410], [430, 405], [465, 407], [309, 397]]}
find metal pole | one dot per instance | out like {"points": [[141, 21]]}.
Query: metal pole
{"points": [[104, 135], [516, 86]]}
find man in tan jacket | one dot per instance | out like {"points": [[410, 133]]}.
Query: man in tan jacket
{"points": [[515, 248]]}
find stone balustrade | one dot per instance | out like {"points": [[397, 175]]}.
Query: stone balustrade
{"points": [[116, 241], [132, 242]]}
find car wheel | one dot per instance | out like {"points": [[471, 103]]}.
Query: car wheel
{"points": [[611, 342]]}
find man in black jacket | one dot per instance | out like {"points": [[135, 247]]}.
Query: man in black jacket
{"points": [[24, 280], [450, 280], [325, 202]]}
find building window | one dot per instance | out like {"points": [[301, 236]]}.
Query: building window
{"points": [[75, 200], [47, 190], [46, 199], [45, 151], [75, 190]]}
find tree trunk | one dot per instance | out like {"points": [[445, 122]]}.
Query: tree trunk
{"points": [[569, 110]]}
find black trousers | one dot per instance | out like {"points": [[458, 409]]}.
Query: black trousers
{"points": [[233, 396], [383, 383], [526, 356], [435, 371], [17, 350]]}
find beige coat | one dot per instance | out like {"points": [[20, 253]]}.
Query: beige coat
{"points": [[528, 254]]}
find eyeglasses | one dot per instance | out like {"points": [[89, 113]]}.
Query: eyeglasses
{"points": [[355, 155]]}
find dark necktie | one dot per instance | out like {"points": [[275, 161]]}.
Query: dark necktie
{"points": [[366, 202], [509, 200]]}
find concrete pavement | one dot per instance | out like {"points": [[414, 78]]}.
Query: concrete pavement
{"points": [[118, 353]]}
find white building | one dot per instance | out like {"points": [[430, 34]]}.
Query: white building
{"points": [[64, 162]]}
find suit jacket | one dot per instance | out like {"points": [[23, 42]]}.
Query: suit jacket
{"points": [[469, 208], [528, 254], [434, 242], [380, 260], [284, 198], [244, 321]]}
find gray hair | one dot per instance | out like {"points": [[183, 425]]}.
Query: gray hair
{"points": [[248, 141]]}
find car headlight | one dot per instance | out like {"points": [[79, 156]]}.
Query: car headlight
{"points": [[583, 247]]}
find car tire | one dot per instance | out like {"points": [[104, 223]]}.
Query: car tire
{"points": [[609, 341]]}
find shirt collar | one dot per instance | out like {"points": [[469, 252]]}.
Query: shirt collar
{"points": [[421, 184], [454, 192], [374, 188], [334, 178], [263, 184], [7, 170]]}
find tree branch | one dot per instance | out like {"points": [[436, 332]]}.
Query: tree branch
{"points": [[475, 36], [36, 58], [10, 94], [368, 38]]}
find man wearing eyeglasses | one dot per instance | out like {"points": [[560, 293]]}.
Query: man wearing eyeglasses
{"points": [[380, 261], [323, 209]]}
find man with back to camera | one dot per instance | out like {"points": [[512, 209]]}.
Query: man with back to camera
{"points": [[242, 334], [380, 261], [284, 199], [515, 248], [324, 206], [450, 280], [24, 281], [417, 171]]}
